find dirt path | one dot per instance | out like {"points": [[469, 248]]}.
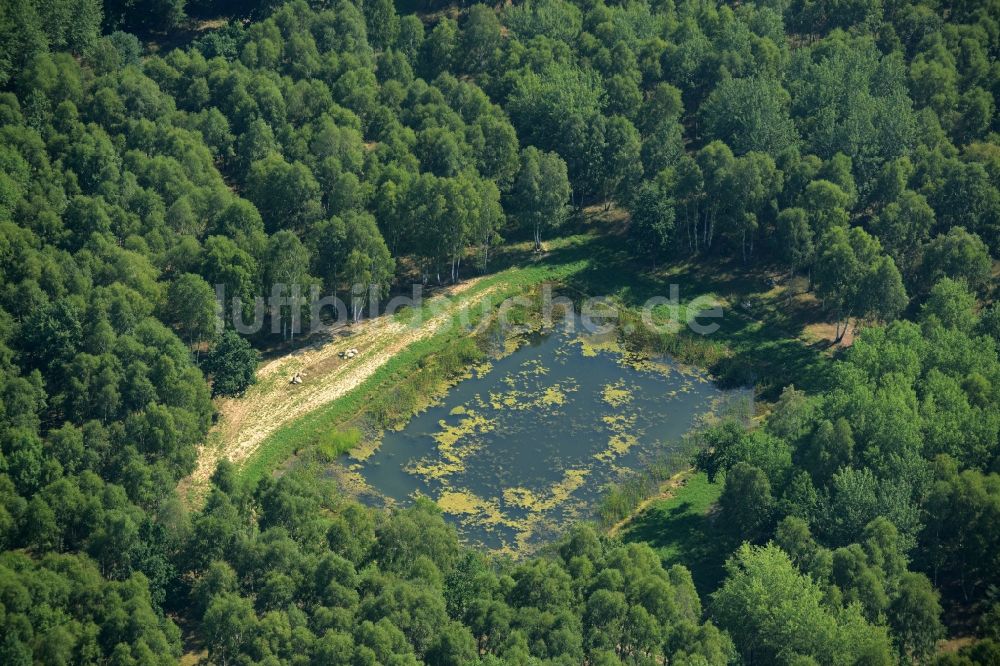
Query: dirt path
{"points": [[245, 422]]}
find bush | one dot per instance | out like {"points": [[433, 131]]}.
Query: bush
{"points": [[232, 364], [335, 443]]}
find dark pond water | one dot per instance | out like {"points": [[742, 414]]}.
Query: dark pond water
{"points": [[524, 447]]}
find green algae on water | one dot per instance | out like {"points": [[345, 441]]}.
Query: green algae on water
{"points": [[513, 454]]}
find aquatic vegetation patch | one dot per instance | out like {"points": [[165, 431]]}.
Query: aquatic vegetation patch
{"points": [[618, 445], [644, 363], [550, 497], [616, 394], [592, 345], [540, 397], [365, 448], [553, 395], [514, 455], [481, 369], [454, 444], [451, 434], [622, 438], [459, 502]]}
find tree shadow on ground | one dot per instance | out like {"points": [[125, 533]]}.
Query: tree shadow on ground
{"points": [[766, 346], [686, 534]]}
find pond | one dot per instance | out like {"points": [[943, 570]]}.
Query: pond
{"points": [[524, 447]]}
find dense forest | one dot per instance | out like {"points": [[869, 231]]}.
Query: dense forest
{"points": [[366, 142]]}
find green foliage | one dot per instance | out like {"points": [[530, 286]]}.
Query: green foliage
{"points": [[950, 304], [340, 143], [729, 444], [915, 616], [652, 224], [746, 501], [29, 28], [286, 194], [540, 192], [232, 364], [382, 23], [853, 279], [553, 107], [959, 542], [417, 595], [795, 237], [847, 97], [749, 114], [336, 443], [552, 18], [191, 307], [55, 606], [957, 255], [778, 615]]}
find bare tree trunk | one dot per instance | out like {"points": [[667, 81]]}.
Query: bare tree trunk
{"points": [[687, 227]]}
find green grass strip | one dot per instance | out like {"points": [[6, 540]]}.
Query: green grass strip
{"points": [[313, 427]]}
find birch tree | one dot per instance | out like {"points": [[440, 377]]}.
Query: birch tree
{"points": [[539, 198]]}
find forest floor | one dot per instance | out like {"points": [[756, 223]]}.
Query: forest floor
{"points": [[182, 35]]}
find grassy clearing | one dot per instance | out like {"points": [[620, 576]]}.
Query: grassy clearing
{"points": [[749, 345], [335, 443], [410, 379], [767, 345], [622, 502], [682, 529]]}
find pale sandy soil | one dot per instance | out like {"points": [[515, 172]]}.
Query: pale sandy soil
{"points": [[245, 422], [827, 332]]}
